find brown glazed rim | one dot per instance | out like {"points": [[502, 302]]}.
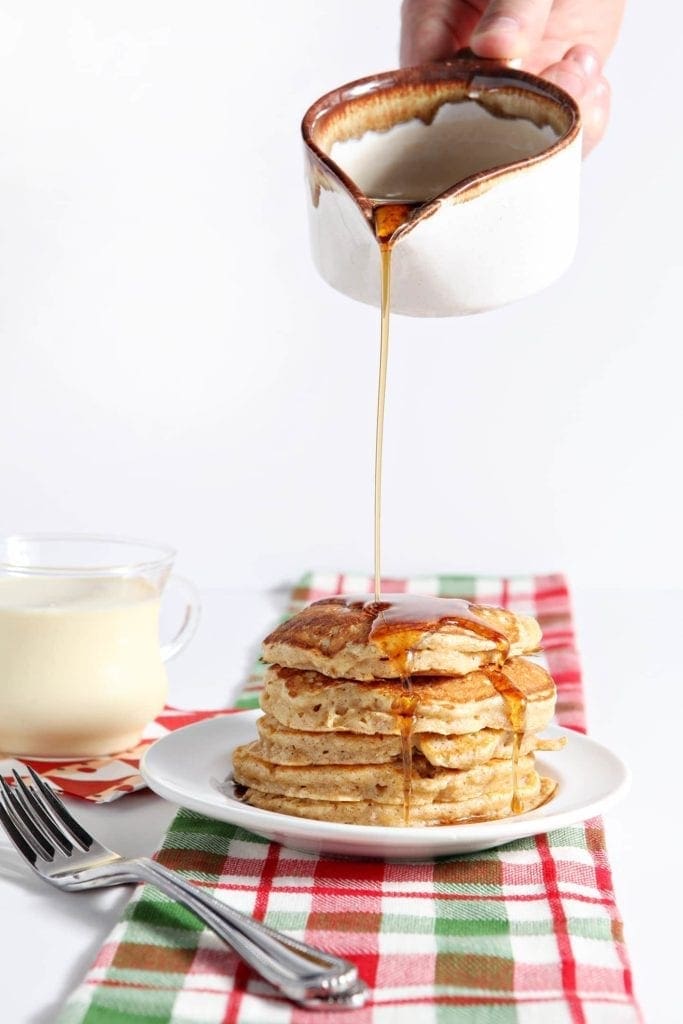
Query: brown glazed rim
{"points": [[459, 69]]}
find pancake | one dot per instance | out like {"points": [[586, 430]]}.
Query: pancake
{"points": [[484, 807], [464, 751], [412, 710], [350, 637], [381, 783], [280, 745], [310, 701]]}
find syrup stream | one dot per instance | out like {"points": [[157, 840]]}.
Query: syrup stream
{"points": [[392, 629], [385, 267]]}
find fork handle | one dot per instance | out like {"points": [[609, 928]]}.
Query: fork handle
{"points": [[300, 972]]}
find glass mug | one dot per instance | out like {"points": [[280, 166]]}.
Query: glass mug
{"points": [[81, 667]]}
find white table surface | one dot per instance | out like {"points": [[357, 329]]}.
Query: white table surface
{"points": [[629, 642]]}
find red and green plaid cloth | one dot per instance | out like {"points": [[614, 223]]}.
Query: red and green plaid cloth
{"points": [[528, 933]]}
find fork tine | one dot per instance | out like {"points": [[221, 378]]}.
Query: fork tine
{"points": [[50, 798], [23, 824], [24, 848], [39, 815]]}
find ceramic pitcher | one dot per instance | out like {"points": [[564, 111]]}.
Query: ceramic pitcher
{"points": [[482, 164]]}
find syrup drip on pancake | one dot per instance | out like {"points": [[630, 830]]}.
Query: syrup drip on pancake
{"points": [[405, 709], [400, 623], [398, 646]]}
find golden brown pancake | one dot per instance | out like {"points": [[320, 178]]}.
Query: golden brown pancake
{"points": [[340, 637], [412, 710], [380, 783], [281, 745], [361, 812], [313, 702]]}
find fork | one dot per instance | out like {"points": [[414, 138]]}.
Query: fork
{"points": [[60, 850]]}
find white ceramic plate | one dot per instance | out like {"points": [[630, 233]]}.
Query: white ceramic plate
{"points": [[189, 766]]}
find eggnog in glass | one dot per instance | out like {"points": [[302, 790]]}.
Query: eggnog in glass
{"points": [[81, 667]]}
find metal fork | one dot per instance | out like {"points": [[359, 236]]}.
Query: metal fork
{"points": [[65, 855]]}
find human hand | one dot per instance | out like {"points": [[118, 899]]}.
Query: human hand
{"points": [[564, 41]]}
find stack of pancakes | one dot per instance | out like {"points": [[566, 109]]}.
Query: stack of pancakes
{"points": [[406, 711]]}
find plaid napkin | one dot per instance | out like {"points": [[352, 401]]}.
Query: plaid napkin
{"points": [[528, 933], [103, 779]]}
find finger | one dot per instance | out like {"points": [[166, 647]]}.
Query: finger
{"points": [[578, 73], [434, 29], [595, 114], [510, 28]]}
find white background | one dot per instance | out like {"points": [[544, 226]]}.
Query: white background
{"points": [[172, 368]]}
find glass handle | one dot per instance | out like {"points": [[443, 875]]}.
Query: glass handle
{"points": [[190, 618]]}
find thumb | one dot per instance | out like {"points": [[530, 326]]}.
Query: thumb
{"points": [[510, 28]]}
